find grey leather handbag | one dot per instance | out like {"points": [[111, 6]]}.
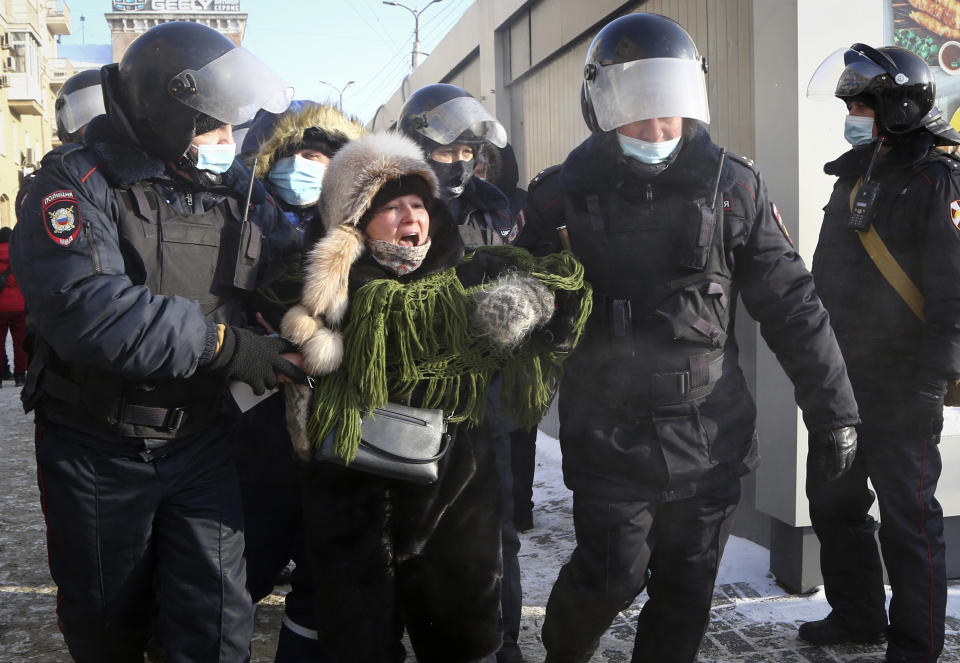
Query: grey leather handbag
{"points": [[397, 441]]}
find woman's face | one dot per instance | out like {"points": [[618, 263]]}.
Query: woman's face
{"points": [[403, 221]]}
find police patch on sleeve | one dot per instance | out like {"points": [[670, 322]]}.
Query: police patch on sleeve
{"points": [[783, 228], [955, 213], [61, 216]]}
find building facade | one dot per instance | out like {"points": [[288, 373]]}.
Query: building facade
{"points": [[30, 77], [130, 19], [524, 60]]}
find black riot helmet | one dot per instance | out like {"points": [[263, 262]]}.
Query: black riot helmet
{"points": [[894, 82], [639, 67], [79, 100], [179, 73], [441, 114]]}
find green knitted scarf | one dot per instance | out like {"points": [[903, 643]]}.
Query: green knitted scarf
{"points": [[403, 336]]}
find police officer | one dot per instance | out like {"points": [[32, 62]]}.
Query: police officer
{"points": [[900, 355], [79, 100], [450, 126], [136, 253], [656, 423]]}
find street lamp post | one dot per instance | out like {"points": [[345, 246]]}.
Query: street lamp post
{"points": [[415, 55], [340, 91]]}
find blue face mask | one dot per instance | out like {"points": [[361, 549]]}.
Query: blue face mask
{"points": [[297, 181], [215, 158], [857, 129], [646, 152]]}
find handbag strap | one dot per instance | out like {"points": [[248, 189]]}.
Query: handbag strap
{"points": [[444, 443], [888, 265]]}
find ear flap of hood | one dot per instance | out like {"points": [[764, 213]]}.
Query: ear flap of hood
{"points": [[289, 127], [351, 182]]}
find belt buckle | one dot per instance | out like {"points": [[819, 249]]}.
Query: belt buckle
{"points": [[174, 419]]}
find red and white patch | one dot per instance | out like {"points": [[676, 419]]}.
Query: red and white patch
{"points": [[783, 228], [727, 203], [955, 213], [61, 216]]}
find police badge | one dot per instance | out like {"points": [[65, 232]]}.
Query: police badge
{"points": [[61, 217]]}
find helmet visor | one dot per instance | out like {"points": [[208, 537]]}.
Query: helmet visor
{"points": [[448, 121], [649, 88], [232, 88], [845, 73], [77, 108]]}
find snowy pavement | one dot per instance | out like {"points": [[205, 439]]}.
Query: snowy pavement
{"points": [[753, 619]]}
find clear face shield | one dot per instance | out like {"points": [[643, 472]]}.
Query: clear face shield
{"points": [[446, 122], [646, 89], [845, 73], [76, 109], [232, 88]]}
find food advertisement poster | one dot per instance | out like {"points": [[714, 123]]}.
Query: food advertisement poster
{"points": [[931, 29]]}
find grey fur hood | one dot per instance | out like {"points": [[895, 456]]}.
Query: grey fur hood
{"points": [[353, 178]]}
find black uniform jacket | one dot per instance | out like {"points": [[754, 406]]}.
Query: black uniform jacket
{"points": [[653, 401], [886, 346], [87, 261]]}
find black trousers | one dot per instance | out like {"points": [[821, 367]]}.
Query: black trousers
{"points": [[904, 472], [680, 543], [274, 536], [511, 600], [125, 534]]}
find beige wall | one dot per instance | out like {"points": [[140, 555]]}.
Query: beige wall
{"points": [[524, 61]]}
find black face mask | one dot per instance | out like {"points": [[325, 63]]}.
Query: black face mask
{"points": [[452, 176]]}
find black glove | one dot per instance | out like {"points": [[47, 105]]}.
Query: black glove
{"points": [[832, 452], [255, 359], [558, 334], [928, 404]]}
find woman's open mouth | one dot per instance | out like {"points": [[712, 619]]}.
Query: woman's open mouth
{"points": [[410, 239]]}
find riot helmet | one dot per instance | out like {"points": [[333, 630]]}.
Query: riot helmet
{"points": [[79, 100], [179, 74], [441, 114], [639, 67], [894, 82]]}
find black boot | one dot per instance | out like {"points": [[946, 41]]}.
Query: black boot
{"points": [[829, 632], [19, 379]]}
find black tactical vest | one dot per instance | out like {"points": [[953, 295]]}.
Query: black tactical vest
{"points": [[662, 292], [211, 257]]}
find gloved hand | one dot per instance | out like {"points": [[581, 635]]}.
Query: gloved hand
{"points": [[507, 310], [832, 452], [928, 404], [255, 359], [558, 334]]}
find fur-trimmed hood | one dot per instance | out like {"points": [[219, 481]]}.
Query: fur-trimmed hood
{"points": [[355, 175], [288, 129]]}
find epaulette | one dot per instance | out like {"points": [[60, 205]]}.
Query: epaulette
{"points": [[746, 161], [63, 150], [952, 161], [543, 175]]}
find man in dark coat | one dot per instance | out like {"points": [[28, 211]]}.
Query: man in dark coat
{"points": [[656, 423], [901, 348], [137, 254]]}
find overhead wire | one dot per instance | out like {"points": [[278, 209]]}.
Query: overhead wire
{"points": [[391, 78]]}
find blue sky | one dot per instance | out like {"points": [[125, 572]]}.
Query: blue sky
{"points": [[308, 41]]}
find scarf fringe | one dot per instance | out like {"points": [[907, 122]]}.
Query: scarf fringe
{"points": [[403, 336]]}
